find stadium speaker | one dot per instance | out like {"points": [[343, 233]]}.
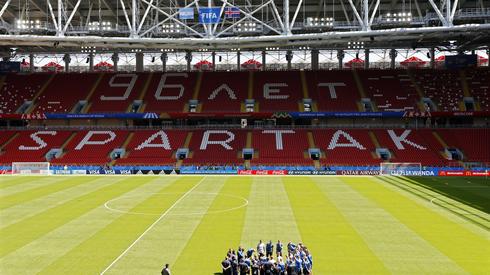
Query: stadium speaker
{"points": [[88, 60], [153, 60], [247, 156], [181, 156], [428, 55], [315, 156], [23, 61], [220, 58], [357, 55]]}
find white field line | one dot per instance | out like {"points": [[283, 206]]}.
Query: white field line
{"points": [[151, 226]]}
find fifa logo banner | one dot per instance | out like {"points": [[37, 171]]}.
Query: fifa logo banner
{"points": [[209, 15]]}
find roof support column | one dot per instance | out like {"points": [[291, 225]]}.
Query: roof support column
{"points": [[115, 60], [289, 58], [139, 62], [238, 63], [188, 58], [488, 56], [366, 58], [264, 54], [67, 60], [315, 62], [31, 62], [393, 54], [432, 53], [164, 59], [340, 57], [91, 62]]}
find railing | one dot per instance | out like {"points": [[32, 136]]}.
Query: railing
{"points": [[238, 127]]}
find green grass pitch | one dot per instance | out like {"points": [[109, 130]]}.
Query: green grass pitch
{"points": [[136, 224]]}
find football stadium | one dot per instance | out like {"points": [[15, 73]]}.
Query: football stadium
{"points": [[244, 137]]}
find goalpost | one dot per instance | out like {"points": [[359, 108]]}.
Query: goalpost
{"points": [[30, 168], [400, 168]]}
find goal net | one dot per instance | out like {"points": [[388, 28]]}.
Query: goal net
{"points": [[400, 169], [30, 168]]}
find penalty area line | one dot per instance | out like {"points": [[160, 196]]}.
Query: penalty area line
{"points": [[151, 226]]}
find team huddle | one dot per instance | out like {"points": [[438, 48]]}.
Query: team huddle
{"points": [[260, 261]]}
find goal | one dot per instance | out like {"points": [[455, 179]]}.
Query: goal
{"points": [[30, 168], [400, 168]]}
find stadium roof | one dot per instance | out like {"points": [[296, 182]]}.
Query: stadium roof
{"points": [[151, 25]]}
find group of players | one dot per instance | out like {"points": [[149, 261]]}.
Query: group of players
{"points": [[260, 261]]}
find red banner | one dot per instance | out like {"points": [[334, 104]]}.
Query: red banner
{"points": [[464, 173], [262, 172]]}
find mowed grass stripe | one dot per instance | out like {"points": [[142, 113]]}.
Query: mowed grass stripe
{"points": [[166, 240], [114, 238], [269, 215], [400, 249], [42, 190], [7, 181], [453, 209], [336, 246], [468, 250], [19, 234], [474, 192], [38, 254], [216, 232], [33, 207], [35, 183]]}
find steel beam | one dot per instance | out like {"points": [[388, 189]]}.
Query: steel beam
{"points": [[298, 8], [366, 15], [53, 17], [285, 11], [169, 17], [438, 12], [359, 19], [4, 8], [71, 15], [142, 22], [126, 15], [60, 27], [133, 18], [252, 42], [455, 5], [376, 6]]}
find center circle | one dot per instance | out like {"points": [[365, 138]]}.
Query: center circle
{"points": [[118, 204]]}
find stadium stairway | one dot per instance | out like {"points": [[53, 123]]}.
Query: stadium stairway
{"points": [[187, 142], [311, 144], [36, 96], [143, 93], [464, 83], [65, 143], [375, 141], [124, 146], [479, 85], [418, 89], [304, 88], [248, 144], [91, 93], [362, 92], [195, 94], [6, 138]]}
